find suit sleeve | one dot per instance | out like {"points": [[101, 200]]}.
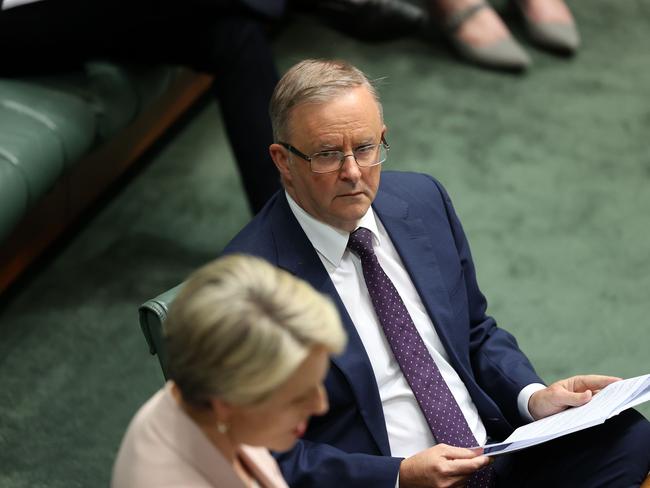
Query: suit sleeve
{"points": [[311, 464], [499, 365]]}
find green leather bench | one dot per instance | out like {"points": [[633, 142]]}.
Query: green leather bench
{"points": [[64, 139], [42, 133], [152, 316]]}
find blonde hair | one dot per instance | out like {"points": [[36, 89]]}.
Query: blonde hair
{"points": [[313, 81], [240, 327]]}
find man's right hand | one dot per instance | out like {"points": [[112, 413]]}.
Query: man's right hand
{"points": [[441, 466]]}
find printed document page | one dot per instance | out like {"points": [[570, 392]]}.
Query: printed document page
{"points": [[610, 401]]}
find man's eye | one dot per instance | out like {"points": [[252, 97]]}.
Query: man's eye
{"points": [[328, 155], [365, 149]]}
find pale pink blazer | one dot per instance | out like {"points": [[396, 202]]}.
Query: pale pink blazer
{"points": [[163, 447]]}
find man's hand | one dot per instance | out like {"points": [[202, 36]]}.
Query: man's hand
{"points": [[571, 392], [441, 466]]}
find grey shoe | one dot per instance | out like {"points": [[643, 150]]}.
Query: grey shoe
{"points": [[505, 54], [562, 38]]}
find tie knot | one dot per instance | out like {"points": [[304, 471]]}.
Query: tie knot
{"points": [[360, 242]]}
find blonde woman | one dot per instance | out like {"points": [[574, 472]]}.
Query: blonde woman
{"points": [[248, 349]]}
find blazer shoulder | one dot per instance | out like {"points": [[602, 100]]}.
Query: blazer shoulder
{"points": [[406, 183], [258, 236], [415, 188]]}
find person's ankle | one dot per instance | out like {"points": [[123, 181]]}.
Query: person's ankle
{"points": [[547, 11], [482, 29], [448, 7]]}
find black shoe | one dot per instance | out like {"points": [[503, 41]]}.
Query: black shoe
{"points": [[368, 20]]}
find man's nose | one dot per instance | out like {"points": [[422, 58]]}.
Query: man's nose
{"points": [[350, 169]]}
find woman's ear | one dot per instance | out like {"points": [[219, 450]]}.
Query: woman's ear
{"points": [[221, 410]]}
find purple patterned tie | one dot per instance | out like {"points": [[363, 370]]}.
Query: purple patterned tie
{"points": [[445, 419]]}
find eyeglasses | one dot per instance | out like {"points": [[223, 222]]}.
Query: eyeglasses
{"points": [[330, 161]]}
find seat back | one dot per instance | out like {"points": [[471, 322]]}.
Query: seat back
{"points": [[152, 316]]}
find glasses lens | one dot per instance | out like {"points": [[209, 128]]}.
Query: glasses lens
{"points": [[366, 155], [326, 161], [383, 154], [371, 155], [329, 161]]}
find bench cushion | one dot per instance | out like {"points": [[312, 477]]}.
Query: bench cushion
{"points": [[64, 115], [13, 195], [48, 123]]}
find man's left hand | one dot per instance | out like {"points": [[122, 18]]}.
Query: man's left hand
{"points": [[571, 392]]}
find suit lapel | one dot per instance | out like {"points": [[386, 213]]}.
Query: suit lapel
{"points": [[413, 243], [297, 255]]}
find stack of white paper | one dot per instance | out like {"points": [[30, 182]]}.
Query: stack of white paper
{"points": [[610, 401]]}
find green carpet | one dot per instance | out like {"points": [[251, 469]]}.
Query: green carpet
{"points": [[549, 172]]}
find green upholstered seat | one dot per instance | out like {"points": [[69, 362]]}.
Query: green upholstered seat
{"points": [[114, 93], [48, 123], [152, 316], [32, 160], [42, 132], [67, 117], [33, 148], [13, 195]]}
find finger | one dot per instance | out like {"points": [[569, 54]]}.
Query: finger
{"points": [[452, 452], [466, 467], [593, 382], [573, 399]]}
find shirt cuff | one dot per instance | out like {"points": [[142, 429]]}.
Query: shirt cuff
{"points": [[524, 397], [397, 482]]}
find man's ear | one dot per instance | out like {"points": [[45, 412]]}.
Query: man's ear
{"points": [[280, 157]]}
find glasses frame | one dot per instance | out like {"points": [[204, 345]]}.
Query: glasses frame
{"points": [[302, 155]]}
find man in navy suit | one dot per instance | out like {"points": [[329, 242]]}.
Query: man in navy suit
{"points": [[329, 145]]}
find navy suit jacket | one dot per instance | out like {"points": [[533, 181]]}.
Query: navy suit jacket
{"points": [[348, 447]]}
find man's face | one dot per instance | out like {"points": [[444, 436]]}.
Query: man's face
{"points": [[345, 123]]}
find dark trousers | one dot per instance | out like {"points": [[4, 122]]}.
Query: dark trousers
{"points": [[217, 37], [613, 455]]}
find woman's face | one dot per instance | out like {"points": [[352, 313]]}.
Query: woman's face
{"points": [[282, 418]]}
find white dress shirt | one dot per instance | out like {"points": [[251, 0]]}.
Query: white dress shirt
{"points": [[408, 431]]}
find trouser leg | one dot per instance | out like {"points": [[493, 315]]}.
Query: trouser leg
{"points": [[613, 455]]}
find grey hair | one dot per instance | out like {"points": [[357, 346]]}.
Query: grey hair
{"points": [[240, 327], [314, 81]]}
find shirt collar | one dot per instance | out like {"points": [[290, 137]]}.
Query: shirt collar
{"points": [[330, 242]]}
